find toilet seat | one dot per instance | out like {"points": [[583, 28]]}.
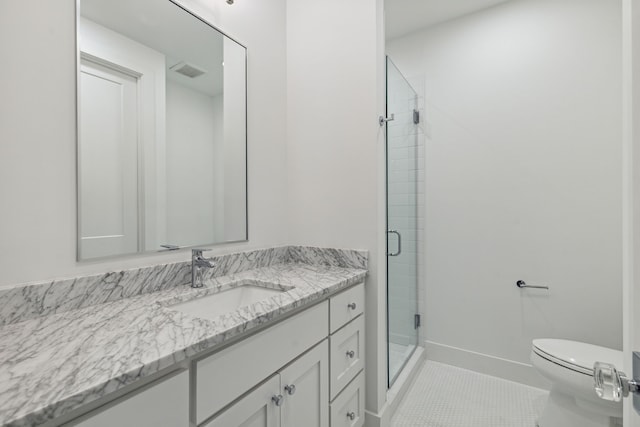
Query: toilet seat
{"points": [[577, 356], [572, 400]]}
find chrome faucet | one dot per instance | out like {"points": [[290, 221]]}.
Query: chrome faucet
{"points": [[198, 264]]}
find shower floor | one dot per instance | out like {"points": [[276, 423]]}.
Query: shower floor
{"points": [[398, 355], [447, 396]]}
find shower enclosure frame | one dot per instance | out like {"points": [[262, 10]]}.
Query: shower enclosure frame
{"points": [[403, 235]]}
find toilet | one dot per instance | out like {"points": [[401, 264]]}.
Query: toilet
{"points": [[572, 401]]}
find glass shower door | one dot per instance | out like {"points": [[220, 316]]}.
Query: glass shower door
{"points": [[403, 165]]}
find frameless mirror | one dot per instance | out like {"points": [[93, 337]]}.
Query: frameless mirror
{"points": [[161, 130]]}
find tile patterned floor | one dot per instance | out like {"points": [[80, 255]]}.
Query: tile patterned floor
{"points": [[447, 396]]}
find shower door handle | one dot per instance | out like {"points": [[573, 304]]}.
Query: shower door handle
{"points": [[399, 243]]}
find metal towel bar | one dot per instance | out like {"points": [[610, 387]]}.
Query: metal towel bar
{"points": [[382, 120], [522, 284]]}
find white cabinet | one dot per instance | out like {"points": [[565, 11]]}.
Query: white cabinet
{"points": [[347, 354], [322, 386], [256, 409], [347, 357], [163, 403], [347, 410], [296, 396], [346, 306], [305, 388], [228, 374]]}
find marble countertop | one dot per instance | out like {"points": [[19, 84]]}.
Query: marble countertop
{"points": [[56, 363]]}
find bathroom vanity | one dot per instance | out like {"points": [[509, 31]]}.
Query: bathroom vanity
{"points": [[278, 377], [293, 356]]}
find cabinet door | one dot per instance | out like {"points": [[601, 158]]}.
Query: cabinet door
{"points": [[165, 403], [256, 409], [346, 306], [347, 354], [347, 410], [306, 390], [241, 366]]}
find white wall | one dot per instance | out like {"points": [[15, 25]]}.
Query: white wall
{"points": [[37, 135], [631, 188], [523, 158], [235, 225], [193, 144], [219, 168], [335, 157]]}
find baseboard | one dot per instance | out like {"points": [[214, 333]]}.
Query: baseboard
{"points": [[486, 364], [396, 393]]}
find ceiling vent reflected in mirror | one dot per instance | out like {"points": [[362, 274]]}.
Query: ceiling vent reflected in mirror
{"points": [[188, 70]]}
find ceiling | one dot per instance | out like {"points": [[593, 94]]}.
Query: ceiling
{"points": [[405, 16], [164, 27]]}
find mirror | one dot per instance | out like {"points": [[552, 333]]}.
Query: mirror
{"points": [[161, 130]]}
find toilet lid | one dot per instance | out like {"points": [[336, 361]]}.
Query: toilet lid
{"points": [[575, 355]]}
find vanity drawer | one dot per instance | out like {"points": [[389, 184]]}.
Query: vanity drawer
{"points": [[348, 408], [163, 402], [346, 306], [347, 355], [226, 375]]}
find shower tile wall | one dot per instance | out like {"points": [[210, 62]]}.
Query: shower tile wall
{"points": [[406, 213]]}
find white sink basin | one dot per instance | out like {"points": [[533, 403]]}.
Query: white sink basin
{"points": [[214, 305]]}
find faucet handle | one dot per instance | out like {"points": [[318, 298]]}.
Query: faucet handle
{"points": [[198, 251], [199, 260]]}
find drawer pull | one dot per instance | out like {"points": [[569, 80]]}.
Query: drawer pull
{"points": [[277, 400], [350, 354], [351, 415], [352, 306], [290, 389]]}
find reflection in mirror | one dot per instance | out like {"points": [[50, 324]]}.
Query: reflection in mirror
{"points": [[161, 130]]}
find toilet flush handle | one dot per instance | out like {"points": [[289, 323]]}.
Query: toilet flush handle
{"points": [[613, 385], [608, 382]]}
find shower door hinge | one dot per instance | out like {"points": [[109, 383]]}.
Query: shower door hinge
{"points": [[417, 321], [416, 117]]}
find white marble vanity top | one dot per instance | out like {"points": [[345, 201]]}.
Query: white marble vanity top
{"points": [[55, 363]]}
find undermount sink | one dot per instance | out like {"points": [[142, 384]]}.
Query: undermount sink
{"points": [[214, 305]]}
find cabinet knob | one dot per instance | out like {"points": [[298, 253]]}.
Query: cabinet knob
{"points": [[352, 306], [277, 400], [290, 389], [351, 415], [350, 354]]}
